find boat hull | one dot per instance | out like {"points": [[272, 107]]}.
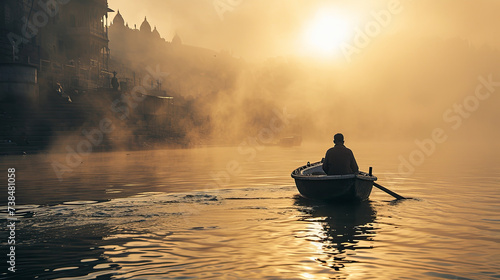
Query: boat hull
{"points": [[312, 183]]}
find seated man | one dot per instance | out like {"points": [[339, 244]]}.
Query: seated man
{"points": [[339, 160]]}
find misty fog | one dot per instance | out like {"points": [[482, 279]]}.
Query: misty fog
{"points": [[399, 86], [233, 76]]}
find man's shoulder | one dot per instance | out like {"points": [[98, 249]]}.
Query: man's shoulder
{"points": [[331, 150], [343, 149], [339, 147], [349, 151]]}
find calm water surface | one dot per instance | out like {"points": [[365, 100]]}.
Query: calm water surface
{"points": [[224, 213]]}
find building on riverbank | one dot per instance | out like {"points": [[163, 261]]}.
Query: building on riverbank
{"points": [[57, 59], [55, 77], [67, 43]]}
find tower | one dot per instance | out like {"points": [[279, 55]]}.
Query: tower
{"points": [[145, 26], [118, 20], [176, 40], [156, 34]]}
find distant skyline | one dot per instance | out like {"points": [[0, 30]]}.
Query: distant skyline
{"points": [[260, 28]]}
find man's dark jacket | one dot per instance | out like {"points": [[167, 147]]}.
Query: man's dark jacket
{"points": [[340, 160]]}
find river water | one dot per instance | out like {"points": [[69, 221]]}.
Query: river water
{"points": [[234, 213]]}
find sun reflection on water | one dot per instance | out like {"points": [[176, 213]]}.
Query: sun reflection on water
{"points": [[337, 231]]}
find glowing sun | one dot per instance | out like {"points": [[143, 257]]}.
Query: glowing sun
{"points": [[326, 32]]}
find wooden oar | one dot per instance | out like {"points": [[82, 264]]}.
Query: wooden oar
{"points": [[397, 196]]}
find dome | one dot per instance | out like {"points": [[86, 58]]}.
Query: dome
{"points": [[176, 40], [156, 33], [118, 20], [145, 26]]}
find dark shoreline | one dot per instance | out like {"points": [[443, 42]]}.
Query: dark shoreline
{"points": [[29, 127]]}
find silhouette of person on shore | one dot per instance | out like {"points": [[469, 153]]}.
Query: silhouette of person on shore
{"points": [[339, 160], [114, 81]]}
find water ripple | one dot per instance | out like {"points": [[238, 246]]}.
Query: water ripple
{"points": [[258, 233]]}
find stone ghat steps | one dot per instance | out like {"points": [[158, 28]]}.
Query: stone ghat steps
{"points": [[24, 130], [56, 123], [58, 126]]}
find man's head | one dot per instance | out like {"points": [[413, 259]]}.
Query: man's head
{"points": [[338, 138]]}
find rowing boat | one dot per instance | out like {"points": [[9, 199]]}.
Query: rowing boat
{"points": [[313, 183]]}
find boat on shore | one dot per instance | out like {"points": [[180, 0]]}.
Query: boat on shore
{"points": [[313, 183]]}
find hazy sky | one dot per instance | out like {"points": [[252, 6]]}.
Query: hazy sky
{"points": [[261, 28]]}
